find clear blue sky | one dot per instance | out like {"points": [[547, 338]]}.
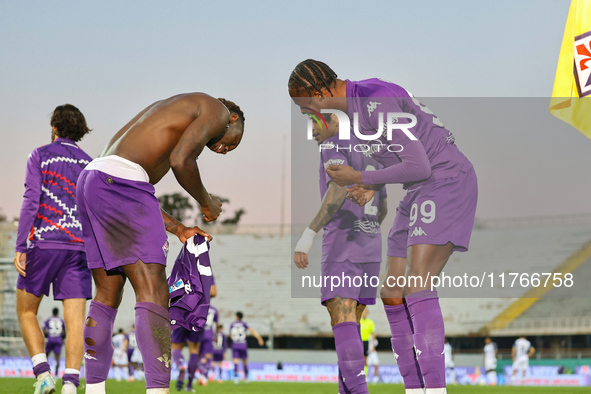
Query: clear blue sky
{"points": [[113, 58]]}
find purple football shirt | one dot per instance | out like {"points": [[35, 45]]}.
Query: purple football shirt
{"points": [[238, 332], [49, 214], [220, 343], [54, 327], [433, 155], [353, 233]]}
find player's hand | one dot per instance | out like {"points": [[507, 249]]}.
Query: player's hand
{"points": [[343, 175], [212, 209], [301, 260], [187, 232], [19, 262], [360, 195], [261, 342]]}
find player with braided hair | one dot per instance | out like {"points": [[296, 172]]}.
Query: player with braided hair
{"points": [[433, 220], [312, 74]]}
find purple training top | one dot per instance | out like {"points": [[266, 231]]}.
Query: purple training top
{"points": [[49, 215], [54, 327], [433, 155], [353, 233], [238, 330]]}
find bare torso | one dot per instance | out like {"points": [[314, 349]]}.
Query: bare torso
{"points": [[151, 135]]}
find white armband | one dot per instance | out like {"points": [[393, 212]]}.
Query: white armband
{"points": [[305, 243]]}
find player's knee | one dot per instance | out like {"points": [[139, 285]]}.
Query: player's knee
{"points": [[391, 293]]}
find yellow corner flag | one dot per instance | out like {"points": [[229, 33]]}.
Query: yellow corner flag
{"points": [[571, 96]]}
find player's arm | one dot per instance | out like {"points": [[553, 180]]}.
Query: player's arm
{"points": [[213, 291], [257, 336], [210, 123], [414, 167], [333, 199], [183, 232], [125, 343], [513, 352], [531, 351], [29, 209]]}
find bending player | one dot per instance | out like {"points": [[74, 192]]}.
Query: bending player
{"points": [[351, 246], [125, 230], [434, 219], [54, 329], [55, 251], [238, 331]]}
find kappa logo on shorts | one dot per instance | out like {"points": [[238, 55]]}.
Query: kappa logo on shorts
{"points": [[417, 232], [88, 356], [582, 67]]}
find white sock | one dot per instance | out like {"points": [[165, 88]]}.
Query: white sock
{"points": [[95, 388], [38, 359], [157, 391], [72, 371], [415, 391], [436, 391]]}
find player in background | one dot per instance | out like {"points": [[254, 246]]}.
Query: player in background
{"points": [[125, 229], [54, 329], [131, 345], [181, 337], [434, 219], [54, 254], [238, 332], [374, 360], [206, 346], [368, 336], [449, 361], [120, 360], [490, 361], [520, 353], [220, 344], [351, 246]]}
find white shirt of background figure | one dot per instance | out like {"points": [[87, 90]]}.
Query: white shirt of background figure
{"points": [[449, 361], [490, 361], [521, 352], [120, 361]]}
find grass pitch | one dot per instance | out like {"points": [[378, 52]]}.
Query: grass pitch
{"points": [[25, 386]]}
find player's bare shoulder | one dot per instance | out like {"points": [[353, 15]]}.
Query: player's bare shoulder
{"points": [[196, 105]]}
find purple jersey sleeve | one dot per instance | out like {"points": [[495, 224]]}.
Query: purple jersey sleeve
{"points": [[31, 198], [414, 166]]}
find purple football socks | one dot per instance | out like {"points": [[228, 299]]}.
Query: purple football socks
{"points": [[153, 337], [350, 355], [403, 345], [428, 336]]}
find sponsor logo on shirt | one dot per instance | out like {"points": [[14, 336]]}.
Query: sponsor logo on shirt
{"points": [[417, 232], [333, 161], [177, 285]]}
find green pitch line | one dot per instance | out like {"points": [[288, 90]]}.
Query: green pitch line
{"points": [[25, 386], [520, 305]]}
